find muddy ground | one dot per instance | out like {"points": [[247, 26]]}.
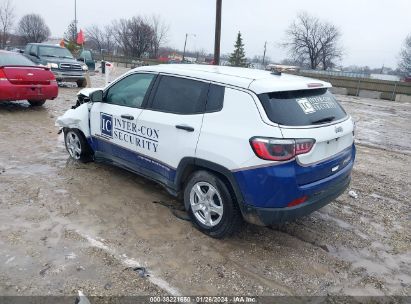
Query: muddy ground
{"points": [[66, 226]]}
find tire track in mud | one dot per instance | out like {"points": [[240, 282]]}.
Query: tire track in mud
{"points": [[131, 262]]}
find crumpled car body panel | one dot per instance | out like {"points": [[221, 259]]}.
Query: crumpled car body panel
{"points": [[77, 118]]}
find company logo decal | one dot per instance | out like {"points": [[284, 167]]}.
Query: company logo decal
{"points": [[129, 133], [106, 125], [339, 129], [313, 104]]}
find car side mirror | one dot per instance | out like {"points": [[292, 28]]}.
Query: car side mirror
{"points": [[33, 54], [81, 59], [96, 96]]}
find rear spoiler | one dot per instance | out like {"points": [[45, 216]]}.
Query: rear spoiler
{"points": [[26, 66]]}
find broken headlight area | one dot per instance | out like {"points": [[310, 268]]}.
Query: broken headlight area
{"points": [[80, 100]]}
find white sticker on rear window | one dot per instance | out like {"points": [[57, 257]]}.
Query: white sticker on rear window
{"points": [[306, 105], [318, 103], [322, 103]]}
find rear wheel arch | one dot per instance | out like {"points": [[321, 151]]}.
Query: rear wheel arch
{"points": [[190, 165]]}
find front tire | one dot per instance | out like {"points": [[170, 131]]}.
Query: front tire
{"points": [[211, 206], [77, 145], [36, 103], [81, 83]]}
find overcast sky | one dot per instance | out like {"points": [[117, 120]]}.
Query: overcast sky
{"points": [[373, 30]]}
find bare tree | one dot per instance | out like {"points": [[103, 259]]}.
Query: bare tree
{"points": [[133, 36], [310, 40], [71, 33], [100, 39], [70, 37], [6, 21], [160, 29], [33, 28], [330, 51], [405, 56]]}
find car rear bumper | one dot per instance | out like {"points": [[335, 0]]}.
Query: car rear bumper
{"points": [[270, 216], [9, 92], [271, 194]]}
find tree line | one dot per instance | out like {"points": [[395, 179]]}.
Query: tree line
{"points": [[133, 37], [30, 28]]}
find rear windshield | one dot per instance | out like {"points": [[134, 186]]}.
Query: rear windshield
{"points": [[86, 55], [50, 51], [14, 59], [302, 108]]}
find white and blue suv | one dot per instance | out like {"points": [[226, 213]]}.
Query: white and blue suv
{"points": [[233, 143]]}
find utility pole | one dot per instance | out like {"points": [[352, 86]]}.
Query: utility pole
{"points": [[265, 50], [185, 44], [217, 32], [75, 15]]}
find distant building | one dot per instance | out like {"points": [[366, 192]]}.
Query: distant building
{"points": [[385, 77], [170, 57]]}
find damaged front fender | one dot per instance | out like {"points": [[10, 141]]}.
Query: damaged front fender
{"points": [[77, 118]]}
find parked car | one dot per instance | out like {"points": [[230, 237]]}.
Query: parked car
{"points": [[59, 60], [234, 143], [21, 79], [87, 57]]}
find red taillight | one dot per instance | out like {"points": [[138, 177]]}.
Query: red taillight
{"points": [[280, 149], [2, 75], [297, 201]]}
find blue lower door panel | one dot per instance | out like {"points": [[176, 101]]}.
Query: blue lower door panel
{"points": [[135, 161]]}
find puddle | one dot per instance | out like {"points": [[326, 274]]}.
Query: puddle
{"points": [[378, 262]]}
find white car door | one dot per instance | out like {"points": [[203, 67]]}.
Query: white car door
{"points": [[115, 130], [174, 116]]}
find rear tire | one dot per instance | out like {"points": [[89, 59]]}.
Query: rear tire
{"points": [[211, 206], [77, 145], [81, 83], [36, 103]]}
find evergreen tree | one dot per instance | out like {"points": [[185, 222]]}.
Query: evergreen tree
{"points": [[237, 58]]}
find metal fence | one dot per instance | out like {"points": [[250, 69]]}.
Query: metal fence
{"points": [[383, 89], [337, 73], [127, 61]]}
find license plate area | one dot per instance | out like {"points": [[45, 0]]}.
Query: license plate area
{"points": [[35, 91]]}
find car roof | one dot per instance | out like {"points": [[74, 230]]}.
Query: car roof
{"points": [[258, 81], [46, 44]]}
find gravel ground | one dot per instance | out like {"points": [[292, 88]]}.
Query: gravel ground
{"points": [[66, 226]]}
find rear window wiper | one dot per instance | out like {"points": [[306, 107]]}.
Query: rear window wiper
{"points": [[323, 120]]}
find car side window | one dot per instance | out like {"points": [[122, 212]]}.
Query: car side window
{"points": [[27, 50], [34, 49], [130, 91], [180, 95], [215, 98]]}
